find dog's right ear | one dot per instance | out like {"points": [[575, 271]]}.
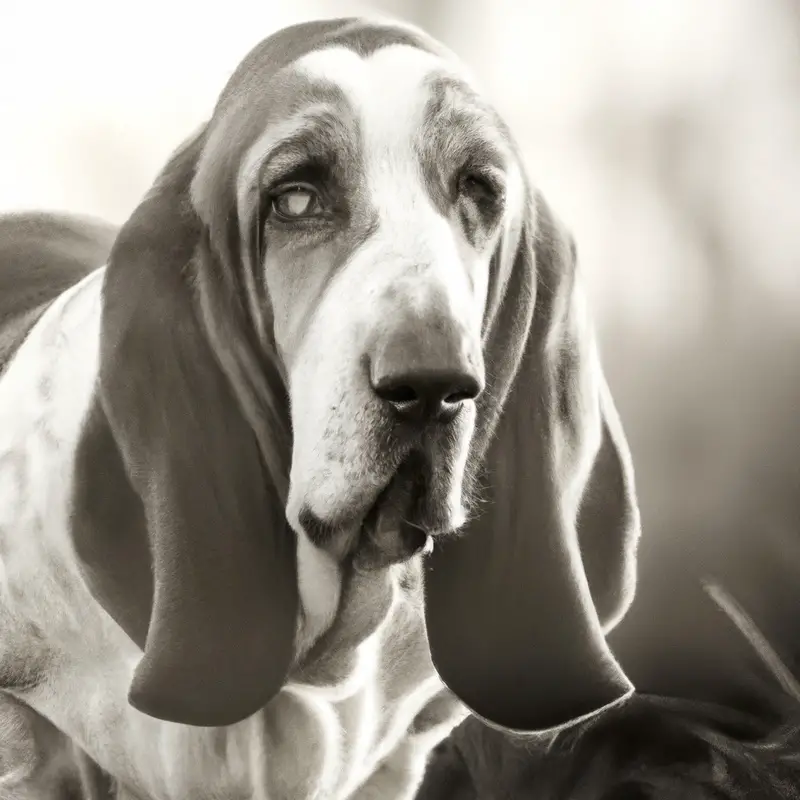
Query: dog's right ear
{"points": [[518, 604], [184, 539]]}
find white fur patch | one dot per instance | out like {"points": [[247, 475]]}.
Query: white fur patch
{"points": [[319, 583], [390, 124], [414, 249]]}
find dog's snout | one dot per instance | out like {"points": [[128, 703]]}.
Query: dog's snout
{"points": [[426, 373]]}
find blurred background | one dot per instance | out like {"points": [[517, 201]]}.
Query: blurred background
{"points": [[666, 134]]}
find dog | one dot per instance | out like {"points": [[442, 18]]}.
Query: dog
{"points": [[316, 457]]}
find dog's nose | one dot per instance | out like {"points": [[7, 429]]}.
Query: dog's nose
{"points": [[427, 394], [426, 375]]}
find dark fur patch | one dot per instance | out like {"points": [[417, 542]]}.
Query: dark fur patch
{"points": [[454, 134], [22, 671], [34, 752], [41, 256], [319, 531], [651, 747], [366, 600]]}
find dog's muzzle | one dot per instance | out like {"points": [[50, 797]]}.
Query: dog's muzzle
{"points": [[424, 369]]}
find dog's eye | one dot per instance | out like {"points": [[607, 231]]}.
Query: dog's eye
{"points": [[478, 186], [296, 202]]}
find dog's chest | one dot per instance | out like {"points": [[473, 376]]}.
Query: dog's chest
{"points": [[324, 742], [391, 682]]}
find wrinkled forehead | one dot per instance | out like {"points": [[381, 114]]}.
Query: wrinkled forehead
{"points": [[313, 90]]}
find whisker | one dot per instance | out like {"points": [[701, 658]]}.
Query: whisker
{"points": [[413, 524]]}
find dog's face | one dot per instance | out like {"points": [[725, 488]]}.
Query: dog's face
{"points": [[376, 205], [349, 267]]}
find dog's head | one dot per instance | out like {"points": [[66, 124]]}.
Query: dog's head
{"points": [[343, 305]]}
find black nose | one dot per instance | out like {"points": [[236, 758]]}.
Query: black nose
{"points": [[421, 395]]}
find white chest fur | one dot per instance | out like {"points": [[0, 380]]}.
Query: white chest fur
{"points": [[74, 664]]}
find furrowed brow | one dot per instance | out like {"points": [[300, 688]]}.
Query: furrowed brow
{"points": [[315, 134], [464, 125]]}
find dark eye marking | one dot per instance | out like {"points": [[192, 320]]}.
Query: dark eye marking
{"points": [[481, 186], [475, 193], [478, 196]]}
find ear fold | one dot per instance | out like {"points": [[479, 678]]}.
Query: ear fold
{"points": [[512, 625], [187, 548]]}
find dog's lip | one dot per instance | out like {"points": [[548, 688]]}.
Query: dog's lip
{"points": [[403, 543], [343, 535], [395, 524], [394, 531]]}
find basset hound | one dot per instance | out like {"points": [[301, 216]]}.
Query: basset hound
{"points": [[318, 458]]}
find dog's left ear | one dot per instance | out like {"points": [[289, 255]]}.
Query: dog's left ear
{"points": [[518, 603]]}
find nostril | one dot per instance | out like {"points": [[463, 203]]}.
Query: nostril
{"points": [[401, 394], [463, 387], [460, 396]]}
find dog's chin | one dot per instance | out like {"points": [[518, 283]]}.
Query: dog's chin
{"points": [[394, 531]]}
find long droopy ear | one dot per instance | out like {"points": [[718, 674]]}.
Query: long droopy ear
{"points": [[512, 601], [185, 542]]}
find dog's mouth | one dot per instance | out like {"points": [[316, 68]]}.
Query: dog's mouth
{"points": [[405, 517], [399, 525]]}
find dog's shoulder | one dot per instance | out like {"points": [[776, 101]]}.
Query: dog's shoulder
{"points": [[41, 256]]}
